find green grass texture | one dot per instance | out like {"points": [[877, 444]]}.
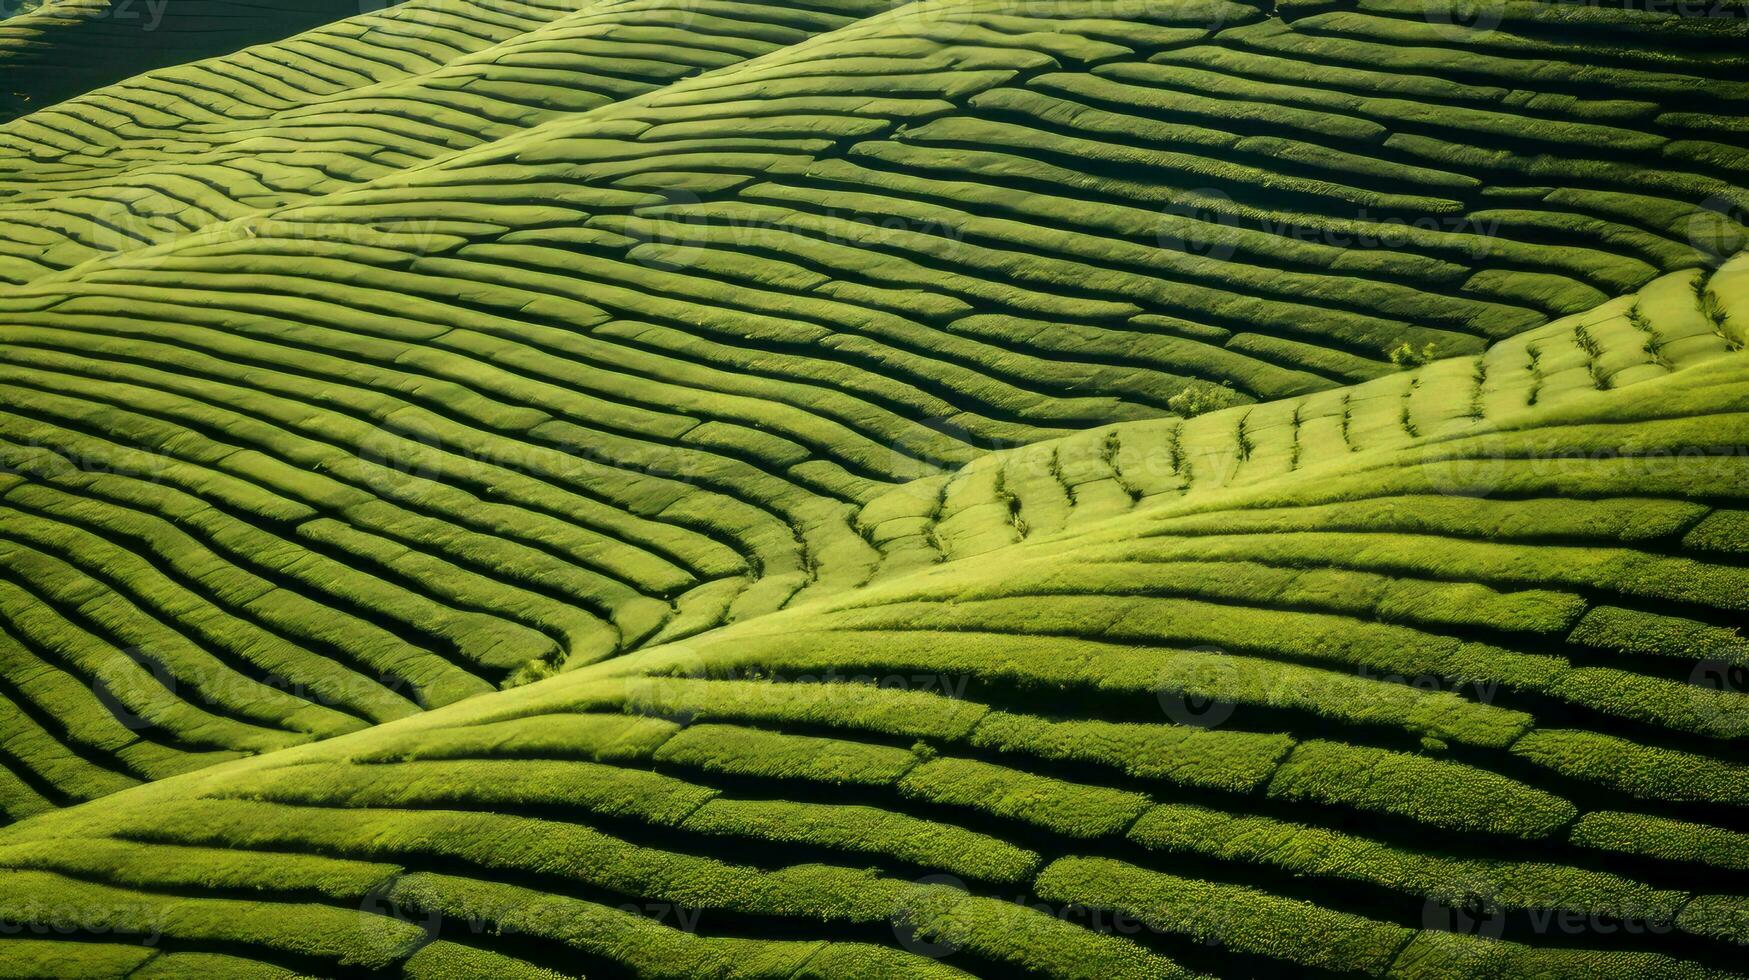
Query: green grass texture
{"points": [[844, 488]]}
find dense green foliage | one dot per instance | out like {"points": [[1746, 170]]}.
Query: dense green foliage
{"points": [[726, 488]]}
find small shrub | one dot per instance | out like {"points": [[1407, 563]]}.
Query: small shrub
{"points": [[1192, 402], [1405, 354]]}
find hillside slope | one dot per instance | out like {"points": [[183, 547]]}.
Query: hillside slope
{"points": [[721, 488], [54, 49], [1342, 722]]}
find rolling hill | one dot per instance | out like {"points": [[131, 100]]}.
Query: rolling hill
{"points": [[681, 488]]}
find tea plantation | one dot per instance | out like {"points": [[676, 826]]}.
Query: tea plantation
{"points": [[994, 488]]}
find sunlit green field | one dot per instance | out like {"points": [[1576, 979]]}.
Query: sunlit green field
{"points": [[846, 488]]}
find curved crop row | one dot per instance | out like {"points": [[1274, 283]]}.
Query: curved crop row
{"points": [[961, 488]]}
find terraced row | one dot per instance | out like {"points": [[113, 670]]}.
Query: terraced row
{"points": [[1103, 493], [185, 150], [1676, 321], [1275, 280], [1079, 176], [255, 514], [51, 50], [692, 356], [1339, 722], [195, 591]]}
